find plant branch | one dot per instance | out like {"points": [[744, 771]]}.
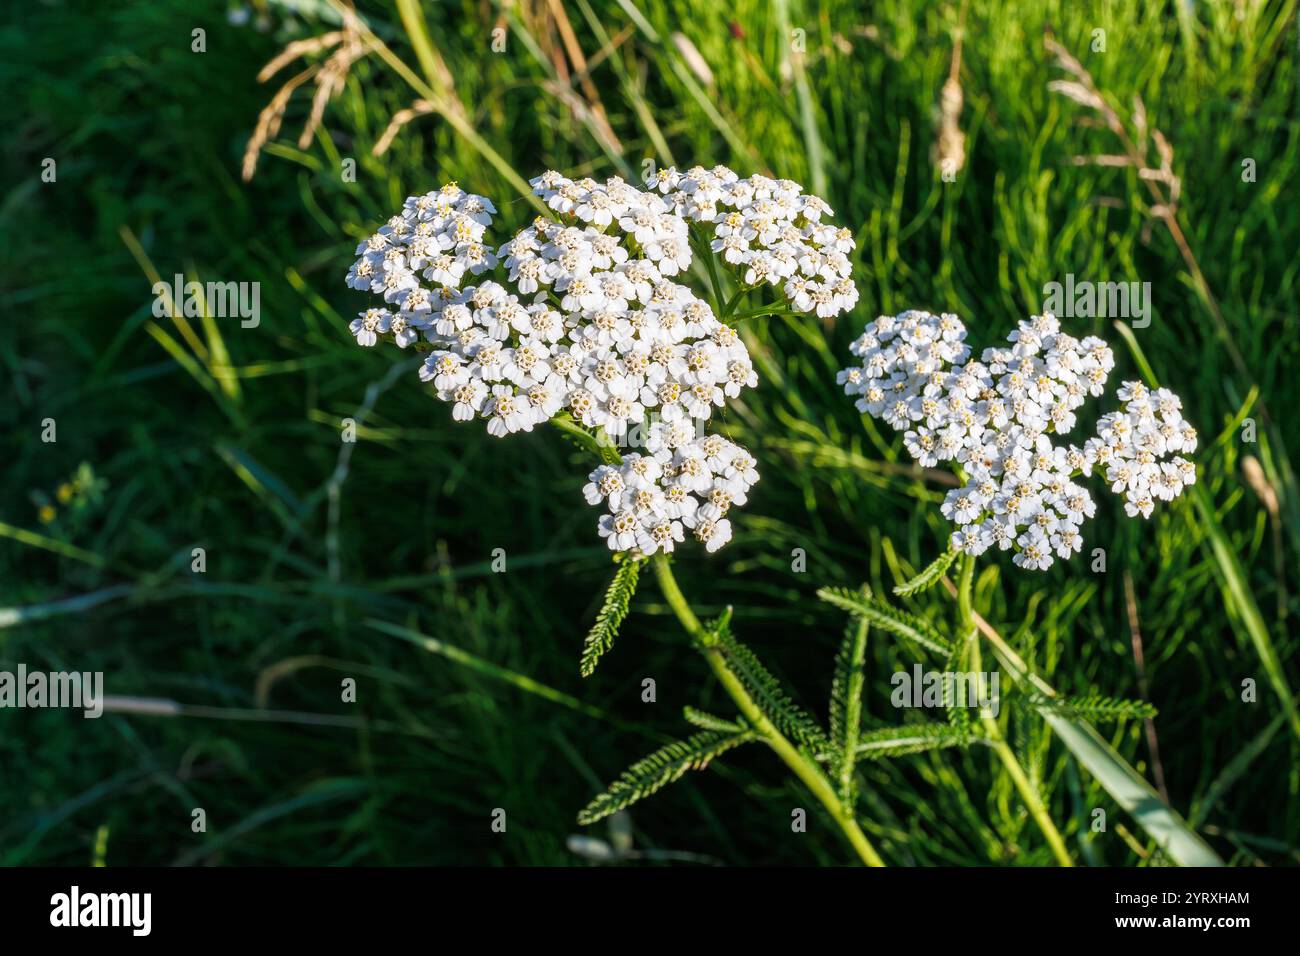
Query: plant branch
{"points": [[703, 250], [802, 766], [969, 633]]}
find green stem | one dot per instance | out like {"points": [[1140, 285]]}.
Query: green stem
{"points": [[734, 301], [702, 249], [966, 627], [600, 446], [803, 767], [774, 308]]}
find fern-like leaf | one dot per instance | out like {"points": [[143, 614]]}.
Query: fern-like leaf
{"points": [[958, 711], [707, 721], [882, 614], [618, 597], [914, 738], [667, 764], [930, 576], [846, 706], [1094, 708], [787, 716]]}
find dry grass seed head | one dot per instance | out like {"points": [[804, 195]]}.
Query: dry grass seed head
{"points": [[348, 47]]}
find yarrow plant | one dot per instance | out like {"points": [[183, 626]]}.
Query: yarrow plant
{"points": [[1001, 422], [595, 326], [613, 317], [585, 319]]}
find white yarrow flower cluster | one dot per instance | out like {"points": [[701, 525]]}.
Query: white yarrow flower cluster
{"points": [[1133, 448], [995, 419], [592, 318], [679, 485], [438, 237], [771, 230]]}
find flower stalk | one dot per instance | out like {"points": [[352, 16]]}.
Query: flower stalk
{"points": [[803, 767], [1033, 802]]}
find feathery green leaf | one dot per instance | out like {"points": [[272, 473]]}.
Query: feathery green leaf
{"points": [[665, 765], [880, 613], [846, 705], [914, 738], [930, 576], [1094, 708], [777, 705], [712, 722], [618, 597], [959, 715]]}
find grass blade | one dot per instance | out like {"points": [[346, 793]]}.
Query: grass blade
{"points": [[1117, 777]]}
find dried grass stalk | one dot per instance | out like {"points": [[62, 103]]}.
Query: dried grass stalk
{"points": [[400, 119], [347, 45]]}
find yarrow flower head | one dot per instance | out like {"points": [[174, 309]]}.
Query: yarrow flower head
{"points": [[995, 420], [592, 320], [771, 229], [1137, 448], [691, 485]]}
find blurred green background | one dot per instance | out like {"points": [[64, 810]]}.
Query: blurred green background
{"points": [[174, 436]]}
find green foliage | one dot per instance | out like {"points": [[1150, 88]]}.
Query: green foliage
{"points": [[667, 764], [913, 738], [875, 611], [772, 699], [958, 712], [846, 706], [148, 135], [930, 576], [618, 598], [1095, 708], [708, 721]]}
